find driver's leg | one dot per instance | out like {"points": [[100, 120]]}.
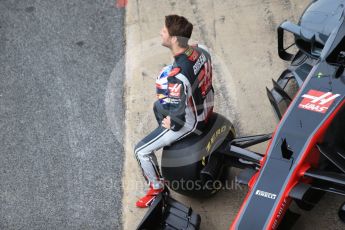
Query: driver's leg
{"points": [[144, 152], [147, 160]]}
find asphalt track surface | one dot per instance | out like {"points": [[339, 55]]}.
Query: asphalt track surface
{"points": [[60, 158]]}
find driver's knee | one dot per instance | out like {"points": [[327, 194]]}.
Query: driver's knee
{"points": [[136, 151], [139, 146], [140, 153]]}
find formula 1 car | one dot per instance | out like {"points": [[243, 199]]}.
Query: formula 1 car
{"points": [[305, 156]]}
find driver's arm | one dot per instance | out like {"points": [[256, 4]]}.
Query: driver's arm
{"points": [[177, 103]]}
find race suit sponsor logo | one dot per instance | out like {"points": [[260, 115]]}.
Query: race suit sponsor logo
{"points": [[317, 101], [199, 63], [265, 194], [193, 56], [189, 51], [174, 90]]}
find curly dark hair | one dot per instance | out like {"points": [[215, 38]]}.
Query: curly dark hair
{"points": [[180, 27]]}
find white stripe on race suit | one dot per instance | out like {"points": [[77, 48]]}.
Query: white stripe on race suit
{"points": [[190, 116], [208, 105], [150, 142], [208, 102]]}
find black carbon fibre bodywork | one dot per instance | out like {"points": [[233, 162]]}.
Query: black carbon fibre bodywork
{"points": [[304, 123]]}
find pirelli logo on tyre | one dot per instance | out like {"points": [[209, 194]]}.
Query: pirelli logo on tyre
{"points": [[317, 101]]}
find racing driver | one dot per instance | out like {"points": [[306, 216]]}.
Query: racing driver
{"points": [[188, 105]]}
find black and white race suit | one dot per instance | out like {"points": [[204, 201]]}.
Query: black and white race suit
{"points": [[189, 104]]}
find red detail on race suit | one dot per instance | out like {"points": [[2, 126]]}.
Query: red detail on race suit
{"points": [[194, 56], [175, 90], [205, 79], [174, 71], [317, 101]]}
